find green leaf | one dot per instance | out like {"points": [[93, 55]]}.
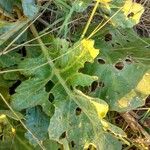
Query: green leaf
{"points": [[11, 115], [128, 16], [7, 5], [4, 90], [15, 141], [32, 92], [120, 84], [121, 44], [9, 60], [13, 76], [28, 96], [54, 73], [30, 9], [80, 124], [12, 137], [81, 5], [37, 122], [8, 29], [50, 145]]}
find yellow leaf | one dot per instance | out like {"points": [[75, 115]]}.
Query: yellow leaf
{"points": [[143, 88], [3, 119], [144, 85], [105, 124], [125, 101], [133, 10], [86, 146], [88, 45], [104, 1], [101, 109], [13, 130], [2, 116]]}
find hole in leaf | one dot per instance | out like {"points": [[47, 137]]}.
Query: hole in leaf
{"points": [[71, 88], [137, 1], [39, 25], [119, 65], [101, 84], [80, 70], [112, 45], [91, 147], [49, 85], [94, 86], [23, 52], [78, 111], [101, 61], [146, 123], [118, 43], [63, 135], [46, 15], [148, 101], [51, 97], [128, 61], [72, 144], [130, 15], [13, 87], [1, 136], [59, 67], [108, 37]]}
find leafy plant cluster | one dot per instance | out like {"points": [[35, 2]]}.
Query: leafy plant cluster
{"points": [[66, 67]]}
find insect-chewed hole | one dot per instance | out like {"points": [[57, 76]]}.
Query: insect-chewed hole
{"points": [[112, 45], [128, 61], [101, 84], [49, 85], [13, 87], [23, 52], [137, 1], [1, 137], [148, 101], [118, 43], [91, 147], [51, 97], [119, 65], [130, 15], [101, 61], [71, 88], [94, 86], [72, 144], [63, 135], [108, 37], [78, 111]]}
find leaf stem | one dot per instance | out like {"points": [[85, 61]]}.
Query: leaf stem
{"points": [[65, 23], [90, 19], [99, 27]]}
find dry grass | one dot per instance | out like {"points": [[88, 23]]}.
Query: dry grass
{"points": [[143, 28]]}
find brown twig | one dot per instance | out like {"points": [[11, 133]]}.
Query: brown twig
{"points": [[134, 125]]}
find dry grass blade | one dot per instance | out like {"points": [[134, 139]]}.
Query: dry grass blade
{"points": [[134, 125]]}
